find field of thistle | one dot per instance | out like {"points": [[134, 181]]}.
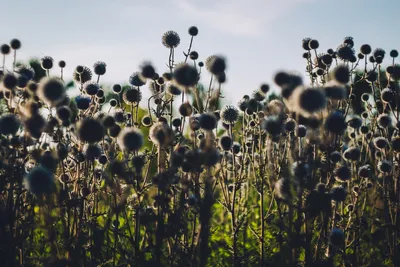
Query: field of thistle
{"points": [[307, 175]]}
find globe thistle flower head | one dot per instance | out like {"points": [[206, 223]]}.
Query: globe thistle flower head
{"points": [[342, 173], [26, 71], [47, 62], [335, 122], [394, 53], [171, 39], [62, 64], [147, 70], [365, 171], [345, 52], [185, 75], [186, 109], [384, 120], [338, 193], [229, 114], [91, 88], [379, 53], [156, 88], [290, 125], [5, 49], [51, 91], [9, 124], [312, 100], [39, 182], [63, 113], [100, 68], [371, 76], [90, 130], [132, 96], [395, 144], [82, 74], [365, 49], [342, 74], [380, 142], [304, 43], [161, 134], [92, 151], [393, 72], [313, 44], [335, 157], [82, 102], [348, 40], [117, 88], [130, 139], [226, 142], [9, 81], [15, 44], [194, 55], [336, 237], [210, 157], [136, 80], [385, 166], [208, 121], [172, 89], [352, 154], [273, 125], [216, 64], [193, 31], [354, 121]]}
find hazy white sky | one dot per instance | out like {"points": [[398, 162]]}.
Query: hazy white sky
{"points": [[258, 37]]}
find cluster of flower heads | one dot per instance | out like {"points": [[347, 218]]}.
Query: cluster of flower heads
{"points": [[325, 142]]}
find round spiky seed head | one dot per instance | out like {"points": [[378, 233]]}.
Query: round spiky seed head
{"points": [[185, 75], [194, 55], [352, 154], [62, 64], [385, 166], [345, 52], [172, 89], [100, 68], [82, 102], [63, 113], [273, 125], [336, 237], [130, 139], [82, 74], [365, 171], [365, 49], [216, 65], [39, 182], [335, 122], [348, 40], [91, 88], [226, 143], [387, 95], [313, 44], [229, 114], [394, 53], [186, 109], [136, 80], [384, 120], [312, 100], [47, 63], [147, 70], [5, 49], [335, 157], [342, 173], [9, 124], [301, 131], [338, 193], [305, 42], [146, 121], [161, 134], [208, 121], [9, 81], [132, 96], [15, 44], [90, 130], [117, 88], [171, 39], [51, 91], [193, 31], [341, 74], [380, 142]]}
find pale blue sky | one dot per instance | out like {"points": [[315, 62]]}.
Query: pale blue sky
{"points": [[258, 37]]}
